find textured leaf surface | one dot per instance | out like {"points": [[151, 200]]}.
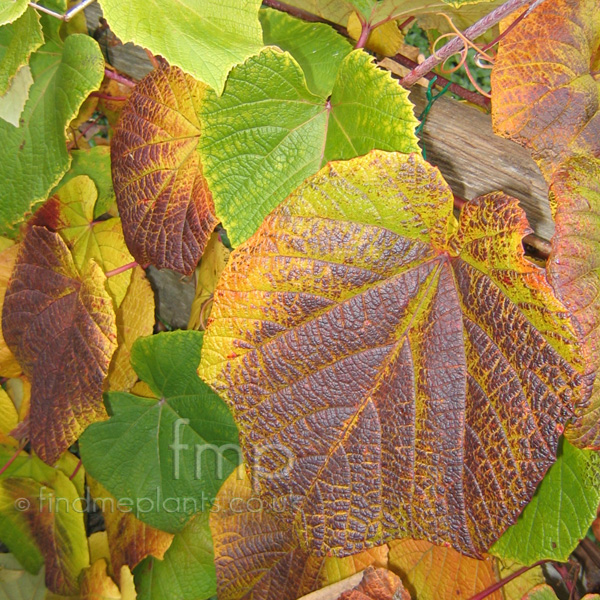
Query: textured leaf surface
{"points": [[130, 540], [17, 584], [70, 212], [560, 513], [14, 100], [257, 554], [135, 319], [545, 82], [205, 38], [11, 10], [187, 571], [60, 325], [361, 333], [17, 41], [377, 584], [163, 198], [316, 47], [574, 270], [9, 367], [267, 133], [132, 453], [46, 506], [34, 157], [440, 573]]}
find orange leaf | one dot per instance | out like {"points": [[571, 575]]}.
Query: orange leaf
{"points": [[377, 584], [61, 327], [163, 198]]}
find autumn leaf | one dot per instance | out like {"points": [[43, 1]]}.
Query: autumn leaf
{"points": [[60, 324], [135, 319], [97, 585], [400, 375], [164, 201], [257, 553], [545, 82], [441, 573], [377, 584], [9, 367], [70, 212]]}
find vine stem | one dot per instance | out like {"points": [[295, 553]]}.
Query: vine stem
{"points": [[120, 270], [76, 470], [303, 14], [108, 97], [365, 32], [120, 78], [471, 33], [499, 584], [12, 459]]}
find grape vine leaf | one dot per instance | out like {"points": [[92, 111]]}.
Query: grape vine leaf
{"points": [[316, 47], [70, 212], [96, 583], [164, 201], [17, 584], [204, 38], [129, 540], [148, 449], [10, 10], [441, 573], [135, 319], [45, 506], [34, 157], [267, 133], [257, 554], [369, 343], [545, 82], [386, 39], [9, 367], [17, 41], [187, 571], [60, 325], [14, 100], [574, 270], [377, 584], [559, 514]]}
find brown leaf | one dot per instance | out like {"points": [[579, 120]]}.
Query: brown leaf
{"points": [[9, 367], [164, 200], [61, 326], [377, 584]]}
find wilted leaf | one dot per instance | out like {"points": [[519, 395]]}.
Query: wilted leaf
{"points": [[316, 47], [135, 319], [60, 324], [130, 540], [377, 584], [9, 367], [257, 554], [545, 82], [441, 573], [34, 156], [574, 270], [205, 38], [407, 377], [560, 513], [187, 571], [42, 505], [163, 198], [97, 585], [17, 584], [169, 455], [70, 212], [13, 101], [266, 134], [11, 10], [214, 259]]}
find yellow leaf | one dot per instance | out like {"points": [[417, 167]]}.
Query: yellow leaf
{"points": [[9, 419], [386, 39]]}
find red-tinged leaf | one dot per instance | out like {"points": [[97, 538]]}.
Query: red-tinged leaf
{"points": [[377, 584], [574, 271], [257, 553], [398, 375], [545, 82], [163, 198], [60, 325]]}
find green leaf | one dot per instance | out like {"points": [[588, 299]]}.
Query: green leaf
{"points": [[187, 571], [10, 10], [17, 41], [203, 37], [560, 513], [169, 455], [34, 157], [317, 48], [17, 584], [268, 132]]}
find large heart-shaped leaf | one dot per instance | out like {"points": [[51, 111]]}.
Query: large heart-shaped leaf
{"points": [[203, 37], [398, 375], [60, 325], [164, 201], [546, 82], [268, 132], [169, 454]]}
